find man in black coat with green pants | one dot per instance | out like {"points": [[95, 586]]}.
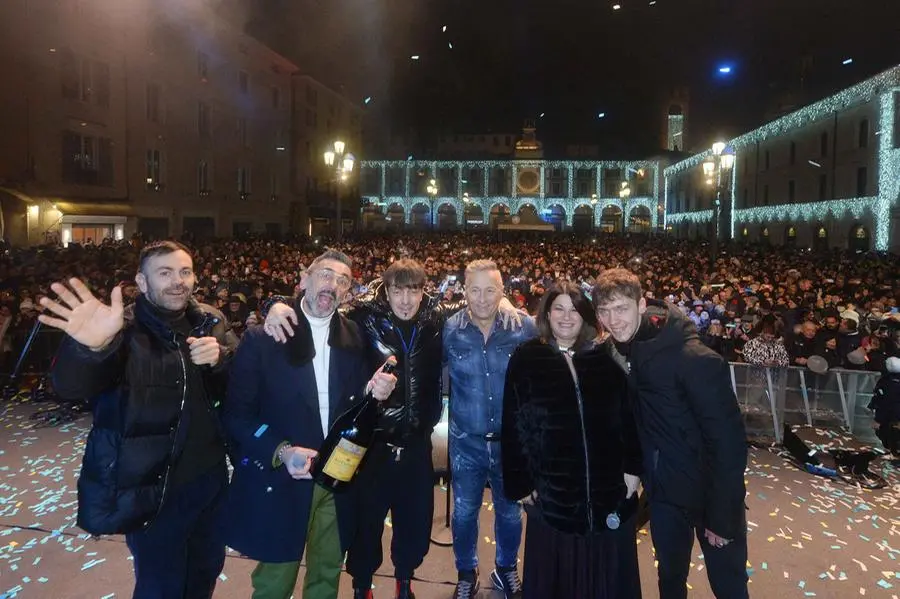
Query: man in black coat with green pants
{"points": [[692, 436]]}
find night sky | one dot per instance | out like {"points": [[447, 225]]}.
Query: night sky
{"points": [[573, 59]]}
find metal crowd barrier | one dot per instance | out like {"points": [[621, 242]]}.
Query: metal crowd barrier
{"points": [[772, 397]]}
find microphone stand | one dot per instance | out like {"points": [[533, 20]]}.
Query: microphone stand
{"points": [[12, 388]]}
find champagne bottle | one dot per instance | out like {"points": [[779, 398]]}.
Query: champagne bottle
{"points": [[350, 437]]}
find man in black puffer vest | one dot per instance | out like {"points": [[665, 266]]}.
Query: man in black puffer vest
{"points": [[154, 463]]}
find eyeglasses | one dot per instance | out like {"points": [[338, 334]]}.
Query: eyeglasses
{"points": [[326, 275]]}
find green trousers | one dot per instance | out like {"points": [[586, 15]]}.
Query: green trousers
{"points": [[323, 558]]}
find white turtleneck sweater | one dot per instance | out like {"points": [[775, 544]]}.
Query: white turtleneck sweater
{"points": [[320, 328]]}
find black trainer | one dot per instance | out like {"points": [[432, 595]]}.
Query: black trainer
{"points": [[467, 587], [506, 580], [404, 590]]}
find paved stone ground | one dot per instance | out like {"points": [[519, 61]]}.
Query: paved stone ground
{"points": [[809, 537]]}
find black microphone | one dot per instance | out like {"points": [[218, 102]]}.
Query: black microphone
{"points": [[614, 518]]}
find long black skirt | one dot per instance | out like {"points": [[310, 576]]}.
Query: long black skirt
{"points": [[566, 566]]}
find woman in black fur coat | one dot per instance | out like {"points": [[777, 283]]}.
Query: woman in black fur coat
{"points": [[570, 451]]}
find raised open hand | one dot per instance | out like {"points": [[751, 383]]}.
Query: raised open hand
{"points": [[82, 316]]}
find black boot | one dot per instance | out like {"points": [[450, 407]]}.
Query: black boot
{"points": [[404, 590]]}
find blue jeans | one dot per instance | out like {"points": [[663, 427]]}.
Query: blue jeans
{"points": [[474, 461]]}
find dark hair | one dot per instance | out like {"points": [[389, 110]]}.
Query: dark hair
{"points": [[335, 255], [160, 248], [616, 282], [582, 305], [404, 273], [770, 324]]}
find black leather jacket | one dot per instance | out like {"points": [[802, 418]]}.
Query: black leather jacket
{"points": [[414, 408]]}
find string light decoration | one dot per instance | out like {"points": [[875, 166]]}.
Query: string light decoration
{"points": [[809, 212], [514, 202], [881, 88], [696, 217]]}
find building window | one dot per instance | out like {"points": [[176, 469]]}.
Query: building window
{"points": [[896, 120], [312, 96], [864, 133], [765, 195], [823, 186], [153, 102], [273, 185], [496, 141], [84, 80], [746, 198], [792, 188], [70, 75], [87, 160], [243, 182], [276, 98], [203, 120], [242, 131], [243, 82], [767, 160], [508, 141], [153, 170], [823, 144], [203, 66], [203, 188], [310, 118], [862, 181], [101, 84], [793, 153]]}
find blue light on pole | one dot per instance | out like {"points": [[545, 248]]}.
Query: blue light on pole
{"points": [[847, 61], [725, 70]]}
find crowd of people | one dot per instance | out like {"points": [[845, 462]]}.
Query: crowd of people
{"points": [[610, 376], [759, 304]]}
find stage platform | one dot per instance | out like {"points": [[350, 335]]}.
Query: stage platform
{"points": [[808, 537]]}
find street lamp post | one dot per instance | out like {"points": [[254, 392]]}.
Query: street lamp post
{"points": [[594, 201], [624, 194], [432, 190], [717, 169], [342, 163], [466, 201]]}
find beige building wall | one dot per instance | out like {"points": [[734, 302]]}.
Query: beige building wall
{"points": [[141, 116], [322, 116]]}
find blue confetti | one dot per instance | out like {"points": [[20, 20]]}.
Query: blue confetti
{"points": [[259, 432]]}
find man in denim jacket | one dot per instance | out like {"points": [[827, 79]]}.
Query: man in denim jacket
{"points": [[477, 349]]}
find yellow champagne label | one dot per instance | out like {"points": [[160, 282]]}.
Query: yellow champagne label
{"points": [[344, 461]]}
